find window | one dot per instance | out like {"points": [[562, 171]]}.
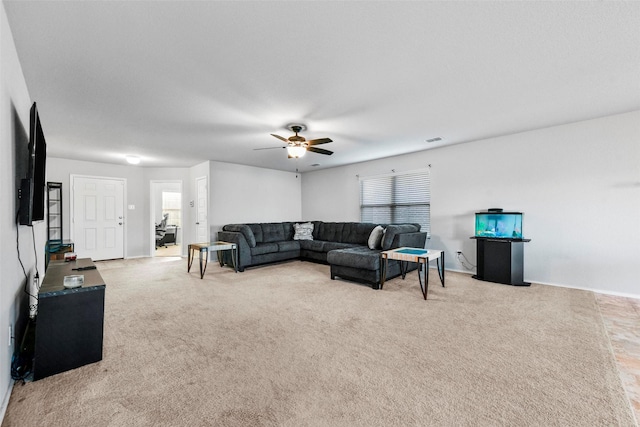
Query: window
{"points": [[171, 204], [397, 198]]}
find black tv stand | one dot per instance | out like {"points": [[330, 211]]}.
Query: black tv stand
{"points": [[501, 260], [69, 324]]}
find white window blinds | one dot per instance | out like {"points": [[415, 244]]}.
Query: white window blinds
{"points": [[397, 198]]}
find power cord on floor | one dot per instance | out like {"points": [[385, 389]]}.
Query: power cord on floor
{"points": [[462, 259], [22, 358]]}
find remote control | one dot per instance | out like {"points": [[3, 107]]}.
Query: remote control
{"points": [[89, 267]]}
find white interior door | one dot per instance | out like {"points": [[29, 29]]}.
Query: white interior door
{"points": [[97, 217], [202, 208]]}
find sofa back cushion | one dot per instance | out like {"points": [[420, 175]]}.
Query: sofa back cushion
{"points": [[272, 232], [316, 229], [246, 231], [288, 230], [342, 232], [394, 229], [357, 232], [328, 231], [257, 232]]}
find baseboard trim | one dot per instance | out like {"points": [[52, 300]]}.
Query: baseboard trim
{"points": [[598, 291], [5, 400], [455, 270], [582, 288]]}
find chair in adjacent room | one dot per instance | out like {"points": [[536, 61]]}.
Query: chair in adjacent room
{"points": [[161, 231]]}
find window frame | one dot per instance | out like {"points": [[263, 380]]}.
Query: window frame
{"points": [[397, 200]]}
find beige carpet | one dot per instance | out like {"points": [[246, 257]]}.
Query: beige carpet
{"points": [[284, 345]]}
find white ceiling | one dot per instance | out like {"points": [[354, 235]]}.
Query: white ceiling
{"points": [[178, 83]]}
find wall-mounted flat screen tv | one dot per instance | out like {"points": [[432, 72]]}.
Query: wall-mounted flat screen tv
{"points": [[499, 225], [32, 188]]}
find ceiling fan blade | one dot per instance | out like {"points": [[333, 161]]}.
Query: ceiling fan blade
{"points": [[266, 148], [279, 137], [319, 141], [319, 151]]}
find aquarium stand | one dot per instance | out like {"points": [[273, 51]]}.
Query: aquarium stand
{"points": [[501, 260]]}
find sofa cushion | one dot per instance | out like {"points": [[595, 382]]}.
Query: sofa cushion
{"points": [[245, 230], [312, 245], [303, 231], [329, 231], [288, 230], [257, 232], [375, 238], [272, 232], [393, 229], [356, 232], [264, 248], [357, 257], [288, 245], [316, 228], [330, 246]]}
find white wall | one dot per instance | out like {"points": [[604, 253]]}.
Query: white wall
{"points": [[139, 226], [14, 123], [241, 194], [137, 194], [577, 184]]}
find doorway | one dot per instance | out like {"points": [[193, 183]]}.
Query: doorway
{"points": [[97, 217], [166, 218], [202, 209]]}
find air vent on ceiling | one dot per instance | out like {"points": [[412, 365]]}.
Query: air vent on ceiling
{"points": [[436, 139]]}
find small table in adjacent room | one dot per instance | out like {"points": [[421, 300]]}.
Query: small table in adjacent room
{"points": [[203, 250], [419, 256]]}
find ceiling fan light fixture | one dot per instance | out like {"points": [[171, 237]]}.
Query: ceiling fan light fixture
{"points": [[296, 151], [297, 145]]}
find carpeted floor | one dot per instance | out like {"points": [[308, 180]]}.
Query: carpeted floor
{"points": [[284, 345]]}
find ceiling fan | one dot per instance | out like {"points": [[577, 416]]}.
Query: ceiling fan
{"points": [[297, 145]]}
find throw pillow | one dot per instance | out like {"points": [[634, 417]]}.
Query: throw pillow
{"points": [[303, 231], [375, 238]]}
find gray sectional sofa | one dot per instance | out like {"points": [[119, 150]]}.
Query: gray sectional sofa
{"points": [[343, 245]]}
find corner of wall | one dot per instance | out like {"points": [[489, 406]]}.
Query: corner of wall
{"points": [[14, 113]]}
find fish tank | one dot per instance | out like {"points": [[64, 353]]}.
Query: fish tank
{"points": [[499, 225]]}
